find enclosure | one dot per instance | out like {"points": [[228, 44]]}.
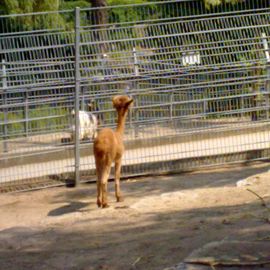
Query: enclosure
{"points": [[200, 78]]}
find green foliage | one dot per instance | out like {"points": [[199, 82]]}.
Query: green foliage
{"points": [[50, 120], [72, 4], [10, 6], [28, 6], [125, 2], [128, 14], [48, 21], [56, 21], [46, 5], [209, 3]]}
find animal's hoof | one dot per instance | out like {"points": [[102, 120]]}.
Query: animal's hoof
{"points": [[99, 204], [120, 199], [105, 205]]}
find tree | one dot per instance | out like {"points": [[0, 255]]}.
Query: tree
{"points": [[99, 16], [28, 6], [43, 21]]}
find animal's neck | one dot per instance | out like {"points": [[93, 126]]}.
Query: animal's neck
{"points": [[121, 120]]}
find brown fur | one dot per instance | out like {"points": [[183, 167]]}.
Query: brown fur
{"points": [[109, 148]]}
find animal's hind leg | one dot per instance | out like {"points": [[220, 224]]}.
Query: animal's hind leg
{"points": [[118, 196], [104, 185], [103, 168], [99, 191]]}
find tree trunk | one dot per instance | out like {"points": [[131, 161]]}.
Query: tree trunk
{"points": [[99, 18]]}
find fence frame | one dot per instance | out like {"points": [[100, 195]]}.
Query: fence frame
{"points": [[77, 95], [134, 119]]}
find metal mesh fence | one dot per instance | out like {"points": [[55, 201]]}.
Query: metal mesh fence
{"points": [[199, 77]]}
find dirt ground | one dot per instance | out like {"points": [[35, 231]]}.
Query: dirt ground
{"points": [[162, 220]]}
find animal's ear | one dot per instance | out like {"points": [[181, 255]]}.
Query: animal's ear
{"points": [[115, 101], [129, 102], [90, 106]]}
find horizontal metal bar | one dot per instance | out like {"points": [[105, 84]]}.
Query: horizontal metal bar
{"points": [[36, 13], [9, 122]]}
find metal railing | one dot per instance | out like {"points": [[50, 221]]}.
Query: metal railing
{"points": [[199, 77]]}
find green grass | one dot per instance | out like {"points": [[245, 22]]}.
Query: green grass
{"points": [[52, 119]]}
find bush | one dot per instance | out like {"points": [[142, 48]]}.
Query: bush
{"points": [[41, 119]]}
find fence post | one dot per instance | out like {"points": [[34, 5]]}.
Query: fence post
{"points": [[83, 100], [205, 105], [267, 88], [136, 112], [136, 72], [242, 107], [267, 84], [131, 111], [77, 96], [5, 110], [104, 65], [136, 67], [26, 113], [171, 106]]}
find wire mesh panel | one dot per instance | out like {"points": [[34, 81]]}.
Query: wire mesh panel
{"points": [[199, 76], [37, 96]]}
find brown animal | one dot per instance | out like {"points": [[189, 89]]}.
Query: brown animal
{"points": [[109, 148]]}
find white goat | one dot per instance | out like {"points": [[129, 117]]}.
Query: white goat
{"points": [[88, 125]]}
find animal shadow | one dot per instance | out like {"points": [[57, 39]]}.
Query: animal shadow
{"points": [[66, 209]]}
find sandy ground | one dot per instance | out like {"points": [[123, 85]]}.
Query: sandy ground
{"points": [[162, 220]]}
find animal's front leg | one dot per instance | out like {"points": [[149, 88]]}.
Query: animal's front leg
{"points": [[104, 184], [104, 187], [99, 192], [118, 196]]}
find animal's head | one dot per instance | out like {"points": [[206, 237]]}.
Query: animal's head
{"points": [[122, 103], [91, 105]]}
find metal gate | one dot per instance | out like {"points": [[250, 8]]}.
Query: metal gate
{"points": [[199, 77]]}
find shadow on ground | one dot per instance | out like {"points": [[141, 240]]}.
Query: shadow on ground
{"points": [[162, 240], [123, 238], [66, 209], [138, 187]]}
